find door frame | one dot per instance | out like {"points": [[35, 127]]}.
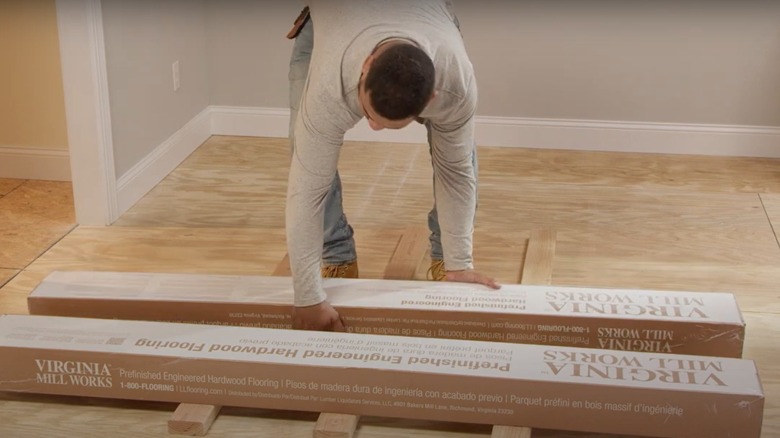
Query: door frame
{"points": [[88, 111]]}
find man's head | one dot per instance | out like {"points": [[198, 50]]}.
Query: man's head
{"points": [[396, 85]]}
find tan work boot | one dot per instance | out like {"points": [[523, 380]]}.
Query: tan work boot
{"points": [[436, 272], [345, 270]]}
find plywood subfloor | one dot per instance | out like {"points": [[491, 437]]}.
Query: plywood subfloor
{"points": [[8, 184], [622, 220], [6, 274], [33, 216]]}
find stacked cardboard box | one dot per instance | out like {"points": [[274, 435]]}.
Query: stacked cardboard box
{"points": [[650, 394], [675, 322]]}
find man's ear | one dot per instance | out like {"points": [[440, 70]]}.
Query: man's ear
{"points": [[433, 96], [367, 65]]}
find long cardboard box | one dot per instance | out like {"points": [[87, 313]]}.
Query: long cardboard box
{"points": [[707, 324], [650, 394]]}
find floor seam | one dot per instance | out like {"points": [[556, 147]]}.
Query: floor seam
{"points": [[42, 253], [49, 247], [18, 271], [15, 188], [769, 219]]}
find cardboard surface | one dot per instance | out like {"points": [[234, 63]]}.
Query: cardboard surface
{"points": [[675, 322], [648, 394]]}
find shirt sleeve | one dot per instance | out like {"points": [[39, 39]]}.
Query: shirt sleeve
{"points": [[455, 178], [317, 140]]}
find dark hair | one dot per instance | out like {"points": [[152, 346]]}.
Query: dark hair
{"points": [[400, 81]]}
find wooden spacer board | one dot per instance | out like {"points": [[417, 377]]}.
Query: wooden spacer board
{"points": [[537, 269], [195, 420], [402, 265]]}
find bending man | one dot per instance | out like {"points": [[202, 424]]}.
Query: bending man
{"points": [[394, 63]]}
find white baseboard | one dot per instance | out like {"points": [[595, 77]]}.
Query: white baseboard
{"points": [[586, 135], [142, 177], [638, 137], [34, 163], [747, 141], [274, 122], [249, 122]]}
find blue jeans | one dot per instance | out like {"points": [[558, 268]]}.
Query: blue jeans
{"points": [[339, 243]]}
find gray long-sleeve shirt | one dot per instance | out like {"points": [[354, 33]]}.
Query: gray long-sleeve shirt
{"points": [[345, 34]]}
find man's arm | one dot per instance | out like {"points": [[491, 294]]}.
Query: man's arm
{"points": [[317, 140], [455, 179], [452, 153]]}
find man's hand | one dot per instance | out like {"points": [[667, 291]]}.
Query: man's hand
{"points": [[322, 317], [471, 276]]}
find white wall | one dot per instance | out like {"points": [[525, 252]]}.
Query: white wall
{"points": [[700, 62], [143, 38], [248, 51], [699, 76], [679, 62]]}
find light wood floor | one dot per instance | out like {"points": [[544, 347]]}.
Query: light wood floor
{"points": [[622, 220]]}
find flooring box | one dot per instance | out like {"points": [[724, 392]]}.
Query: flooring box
{"points": [[708, 324], [562, 388]]}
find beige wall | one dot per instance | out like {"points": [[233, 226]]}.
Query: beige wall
{"points": [[692, 61], [143, 38], [32, 108], [709, 62], [248, 51]]}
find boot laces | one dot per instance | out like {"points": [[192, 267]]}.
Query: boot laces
{"points": [[436, 272]]}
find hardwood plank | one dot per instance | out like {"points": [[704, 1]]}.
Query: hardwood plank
{"points": [[538, 263], [406, 257], [32, 218]]}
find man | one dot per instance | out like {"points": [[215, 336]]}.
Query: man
{"points": [[392, 62]]}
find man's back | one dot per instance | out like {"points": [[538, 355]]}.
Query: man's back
{"points": [[349, 30]]}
